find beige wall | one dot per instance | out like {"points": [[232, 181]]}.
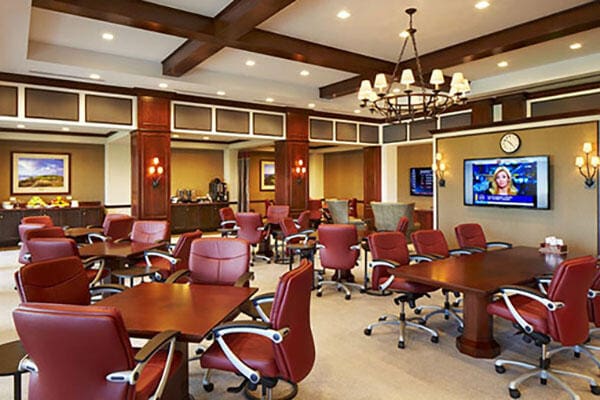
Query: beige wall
{"points": [[254, 184], [343, 176], [87, 168], [194, 169], [417, 156], [573, 214]]}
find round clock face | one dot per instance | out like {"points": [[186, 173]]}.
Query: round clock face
{"points": [[510, 142]]}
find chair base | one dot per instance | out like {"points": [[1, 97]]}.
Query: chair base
{"points": [[447, 310], [293, 392], [339, 286]]}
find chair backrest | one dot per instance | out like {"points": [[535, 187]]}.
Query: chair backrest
{"points": [[23, 229], [353, 207], [339, 211], [46, 232], [295, 355], [150, 231], [387, 215], [227, 214], [183, 247], [60, 280], [337, 240], [218, 261], [594, 304], [389, 246], [276, 213], [117, 226], [249, 224], [45, 220], [314, 206], [570, 283], [402, 225], [304, 220], [470, 235], [74, 348], [288, 227], [43, 249], [430, 242]]}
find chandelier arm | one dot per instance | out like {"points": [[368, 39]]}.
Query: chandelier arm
{"points": [[397, 66], [419, 67]]}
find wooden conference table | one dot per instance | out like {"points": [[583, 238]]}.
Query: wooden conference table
{"points": [[151, 308], [478, 276]]}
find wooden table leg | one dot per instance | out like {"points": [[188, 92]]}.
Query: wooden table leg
{"points": [[477, 339], [177, 387], [17, 386]]}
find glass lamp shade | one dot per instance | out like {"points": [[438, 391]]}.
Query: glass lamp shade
{"points": [[595, 161], [587, 147], [579, 161]]}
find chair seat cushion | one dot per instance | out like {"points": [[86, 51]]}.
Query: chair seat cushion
{"points": [[532, 311], [256, 351], [150, 376], [403, 285]]}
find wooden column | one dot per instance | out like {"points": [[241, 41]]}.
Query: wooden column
{"points": [[371, 178], [151, 139], [482, 112], [289, 189], [514, 107]]}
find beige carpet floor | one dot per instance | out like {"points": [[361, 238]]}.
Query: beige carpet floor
{"points": [[350, 365]]}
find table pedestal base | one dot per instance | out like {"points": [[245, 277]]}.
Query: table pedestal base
{"points": [[177, 387], [477, 339]]}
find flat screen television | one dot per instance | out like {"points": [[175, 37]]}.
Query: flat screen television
{"points": [[421, 182], [508, 182]]}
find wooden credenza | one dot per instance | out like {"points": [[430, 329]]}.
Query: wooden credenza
{"points": [[186, 217], [76, 216]]}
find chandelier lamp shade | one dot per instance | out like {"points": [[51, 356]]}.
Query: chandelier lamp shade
{"points": [[406, 101]]}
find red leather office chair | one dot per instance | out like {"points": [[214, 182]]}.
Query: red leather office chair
{"points": [[402, 225], [282, 349], [24, 256], [432, 243], [45, 220], [227, 218], [559, 316], [303, 221], [316, 212], [252, 230], [175, 259], [353, 207], [292, 235], [114, 227], [60, 280], [83, 352], [44, 249], [32, 231], [150, 231], [276, 213], [471, 237], [338, 249], [389, 250]]}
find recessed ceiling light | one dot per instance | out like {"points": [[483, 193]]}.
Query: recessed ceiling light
{"points": [[269, 100], [357, 111], [94, 76], [403, 34], [163, 85], [175, 135], [108, 36], [575, 46], [66, 129], [304, 72], [221, 93], [250, 63], [343, 14], [205, 138], [20, 126], [503, 64], [396, 90], [480, 5], [311, 105]]}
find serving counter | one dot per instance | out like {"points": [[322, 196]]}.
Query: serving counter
{"points": [[186, 217]]}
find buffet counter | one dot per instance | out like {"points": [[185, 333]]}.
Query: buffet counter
{"points": [[186, 217]]}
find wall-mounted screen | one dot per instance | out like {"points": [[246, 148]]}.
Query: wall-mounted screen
{"points": [[507, 182], [421, 182]]}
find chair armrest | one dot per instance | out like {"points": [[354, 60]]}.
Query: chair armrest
{"points": [[102, 238], [419, 258], [507, 291], [245, 278], [92, 226], [122, 240], [296, 236], [543, 282], [459, 252], [473, 249], [504, 245], [161, 254], [592, 294], [355, 247], [27, 257], [178, 274], [260, 299], [155, 344], [307, 232], [27, 365], [108, 288], [319, 246], [229, 221], [89, 262], [380, 262], [432, 256]]}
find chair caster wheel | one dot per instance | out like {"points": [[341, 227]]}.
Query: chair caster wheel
{"points": [[577, 355], [347, 297], [456, 304], [362, 291], [401, 344], [417, 311], [435, 339], [367, 332], [319, 294], [381, 319], [339, 289], [269, 262], [208, 387], [460, 329], [543, 381], [446, 317], [500, 369], [514, 393], [595, 389]]}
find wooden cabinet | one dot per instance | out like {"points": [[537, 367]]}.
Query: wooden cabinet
{"points": [[190, 216], [79, 216]]}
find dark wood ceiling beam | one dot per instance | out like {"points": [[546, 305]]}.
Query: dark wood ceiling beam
{"points": [[237, 19], [568, 22]]}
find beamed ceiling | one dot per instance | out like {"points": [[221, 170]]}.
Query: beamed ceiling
{"points": [[201, 47]]}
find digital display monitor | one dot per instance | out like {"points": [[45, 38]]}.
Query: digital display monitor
{"points": [[507, 182], [421, 182]]}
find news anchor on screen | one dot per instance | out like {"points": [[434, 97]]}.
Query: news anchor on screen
{"points": [[502, 182]]}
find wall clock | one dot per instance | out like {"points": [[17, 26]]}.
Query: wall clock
{"points": [[510, 142]]}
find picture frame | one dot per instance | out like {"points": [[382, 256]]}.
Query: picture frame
{"points": [[40, 173], [267, 175]]}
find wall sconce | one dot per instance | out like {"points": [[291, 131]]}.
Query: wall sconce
{"points": [[299, 170], [439, 167], [155, 170], [588, 166]]}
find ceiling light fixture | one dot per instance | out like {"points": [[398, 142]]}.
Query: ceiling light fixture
{"points": [[163, 85], [503, 64], [66, 129], [205, 138], [343, 14], [481, 5], [20, 126], [269, 100], [409, 104], [311, 105], [221, 93], [108, 36], [575, 46], [95, 76], [304, 72], [357, 111], [250, 63]]}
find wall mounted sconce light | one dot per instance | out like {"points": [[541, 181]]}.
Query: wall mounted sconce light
{"points": [[588, 165], [439, 167], [299, 170], [155, 170]]}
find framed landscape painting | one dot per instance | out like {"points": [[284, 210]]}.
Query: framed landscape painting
{"points": [[40, 173], [267, 175]]}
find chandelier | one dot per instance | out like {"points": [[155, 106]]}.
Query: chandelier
{"points": [[405, 103]]}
